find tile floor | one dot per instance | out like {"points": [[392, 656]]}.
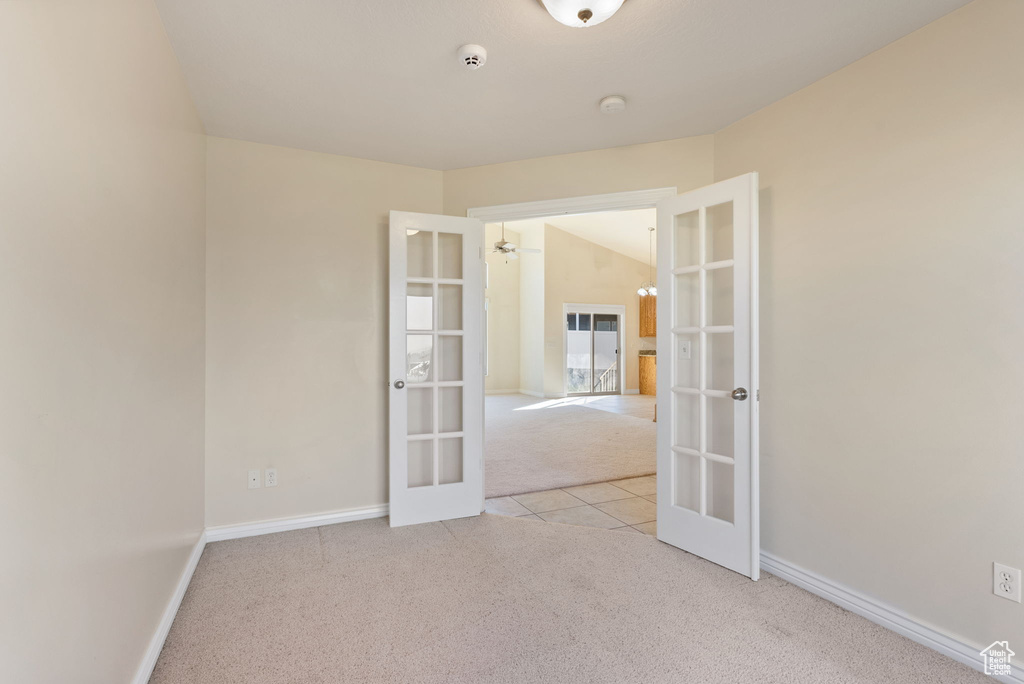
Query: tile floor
{"points": [[626, 505]]}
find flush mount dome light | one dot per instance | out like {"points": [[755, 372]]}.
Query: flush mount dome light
{"points": [[581, 13]]}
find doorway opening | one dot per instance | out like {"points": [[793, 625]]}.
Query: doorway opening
{"points": [[566, 424], [705, 448]]}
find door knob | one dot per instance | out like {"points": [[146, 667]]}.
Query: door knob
{"points": [[739, 394], [399, 384]]}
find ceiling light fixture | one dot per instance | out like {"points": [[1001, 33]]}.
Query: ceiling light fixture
{"points": [[581, 13], [648, 288]]}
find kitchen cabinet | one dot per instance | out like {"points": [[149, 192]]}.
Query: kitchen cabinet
{"points": [[648, 373], [649, 316]]}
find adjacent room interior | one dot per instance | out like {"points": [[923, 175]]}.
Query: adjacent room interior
{"points": [[570, 368], [251, 432]]}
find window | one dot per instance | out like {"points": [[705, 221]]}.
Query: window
{"points": [[606, 323]]}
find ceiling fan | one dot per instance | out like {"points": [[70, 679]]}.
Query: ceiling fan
{"points": [[510, 250]]}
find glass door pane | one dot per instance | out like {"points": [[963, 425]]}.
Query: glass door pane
{"points": [[703, 341], [606, 353], [434, 354], [579, 361]]}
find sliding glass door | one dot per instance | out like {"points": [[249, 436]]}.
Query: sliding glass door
{"points": [[592, 353]]}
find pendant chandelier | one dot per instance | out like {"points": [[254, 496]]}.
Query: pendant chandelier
{"points": [[648, 288]]}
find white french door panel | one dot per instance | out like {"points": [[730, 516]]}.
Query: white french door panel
{"points": [[707, 373], [436, 384]]}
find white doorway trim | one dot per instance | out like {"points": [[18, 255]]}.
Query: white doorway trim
{"points": [[587, 204], [612, 309]]}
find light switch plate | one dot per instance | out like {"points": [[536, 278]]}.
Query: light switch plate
{"points": [[254, 479], [684, 350]]}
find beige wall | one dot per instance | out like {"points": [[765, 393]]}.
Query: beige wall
{"points": [[577, 271], [101, 326], [297, 326], [502, 314], [892, 319], [531, 314], [686, 163]]}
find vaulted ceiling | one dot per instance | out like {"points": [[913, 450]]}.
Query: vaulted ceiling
{"points": [[625, 232], [379, 79]]}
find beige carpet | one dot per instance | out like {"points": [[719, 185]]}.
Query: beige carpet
{"points": [[496, 599], [561, 444]]}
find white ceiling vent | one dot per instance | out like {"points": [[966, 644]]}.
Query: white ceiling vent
{"points": [[472, 56]]}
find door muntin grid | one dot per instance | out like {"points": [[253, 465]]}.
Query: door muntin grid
{"points": [[435, 363], [703, 348]]}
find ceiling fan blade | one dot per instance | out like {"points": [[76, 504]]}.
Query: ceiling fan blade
{"points": [[511, 255], [510, 245], [527, 250]]}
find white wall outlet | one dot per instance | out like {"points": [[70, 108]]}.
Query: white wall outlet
{"points": [[254, 479], [270, 477], [1006, 582]]}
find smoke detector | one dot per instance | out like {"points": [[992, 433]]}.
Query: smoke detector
{"points": [[613, 104], [472, 56]]}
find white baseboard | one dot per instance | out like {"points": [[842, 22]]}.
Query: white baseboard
{"points": [[503, 391], [223, 532], [636, 391], [156, 644], [883, 614], [531, 393]]}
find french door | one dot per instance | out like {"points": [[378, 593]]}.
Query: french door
{"points": [[436, 389], [707, 373]]}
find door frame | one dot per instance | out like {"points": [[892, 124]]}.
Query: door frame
{"points": [[585, 204], [609, 309]]}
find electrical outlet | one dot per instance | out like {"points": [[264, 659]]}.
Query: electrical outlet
{"points": [[1006, 582], [254, 479], [270, 477]]}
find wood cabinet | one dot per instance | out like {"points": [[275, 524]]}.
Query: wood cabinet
{"points": [[649, 316], [648, 374]]}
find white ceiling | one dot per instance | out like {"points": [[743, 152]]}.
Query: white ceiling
{"points": [[378, 79], [625, 232]]}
